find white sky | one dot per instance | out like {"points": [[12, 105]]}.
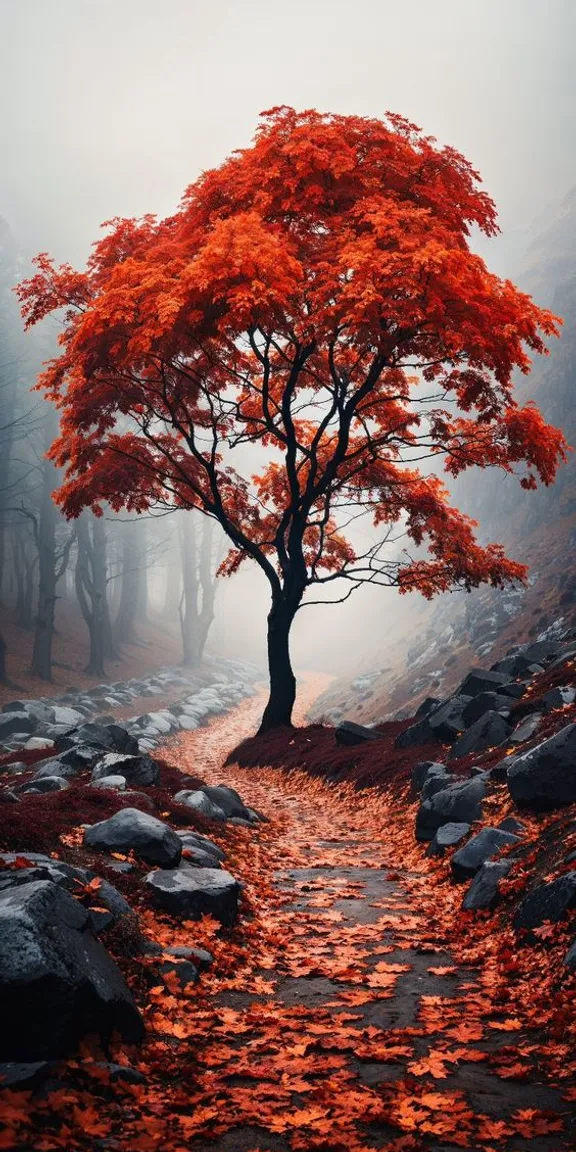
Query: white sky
{"points": [[111, 107]]}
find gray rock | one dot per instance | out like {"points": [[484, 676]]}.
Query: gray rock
{"points": [[57, 982], [544, 778], [192, 853], [131, 829], [227, 799], [16, 722], [428, 705], [484, 889], [481, 680], [17, 1076], [447, 721], [348, 734], [510, 824], [68, 876], [192, 839], [558, 698], [190, 893], [526, 729], [55, 768], [446, 837], [184, 970], [487, 732], [115, 782], [137, 770], [458, 803], [570, 957], [420, 772], [436, 780], [38, 744], [45, 784], [547, 902], [202, 959], [467, 861], [514, 689], [420, 733], [485, 702], [69, 716], [80, 756], [200, 802], [107, 737]]}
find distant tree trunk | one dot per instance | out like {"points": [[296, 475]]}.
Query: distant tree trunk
{"points": [[91, 587], [3, 676], [172, 586], [207, 585], [24, 565], [124, 625], [52, 564], [188, 608]]}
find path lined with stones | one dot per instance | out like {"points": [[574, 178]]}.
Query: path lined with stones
{"points": [[349, 1028]]}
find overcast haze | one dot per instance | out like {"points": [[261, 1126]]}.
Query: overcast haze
{"points": [[112, 107]]}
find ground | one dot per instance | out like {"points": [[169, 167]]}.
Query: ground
{"points": [[353, 1008]]}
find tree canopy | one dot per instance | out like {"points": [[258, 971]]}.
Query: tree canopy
{"points": [[316, 297]]}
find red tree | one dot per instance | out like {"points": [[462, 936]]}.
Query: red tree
{"points": [[316, 296]]}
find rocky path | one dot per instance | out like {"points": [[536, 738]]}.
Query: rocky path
{"points": [[336, 1018]]}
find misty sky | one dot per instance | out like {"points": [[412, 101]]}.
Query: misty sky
{"points": [[111, 107]]}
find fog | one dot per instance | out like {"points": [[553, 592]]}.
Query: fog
{"points": [[112, 107]]}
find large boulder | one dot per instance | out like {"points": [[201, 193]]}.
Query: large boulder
{"points": [[420, 773], [57, 982], [349, 734], [55, 768], [485, 702], [419, 733], [458, 803], [549, 901], [447, 836], [480, 680], [558, 698], [544, 778], [132, 830], [436, 780], [468, 860], [15, 722], [200, 802], [484, 891], [447, 721], [69, 716], [190, 893], [227, 799], [140, 771], [112, 906], [107, 737], [80, 756], [45, 784], [190, 838], [487, 732]]}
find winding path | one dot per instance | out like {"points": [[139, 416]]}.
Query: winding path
{"points": [[335, 1019]]}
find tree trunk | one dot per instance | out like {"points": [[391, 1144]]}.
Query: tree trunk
{"points": [[208, 586], [24, 573], [90, 598], [278, 711], [44, 630], [189, 602], [3, 676], [124, 626]]}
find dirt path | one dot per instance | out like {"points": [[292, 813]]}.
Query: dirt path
{"points": [[337, 1020]]}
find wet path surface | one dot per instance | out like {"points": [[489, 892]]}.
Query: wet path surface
{"points": [[344, 1023]]}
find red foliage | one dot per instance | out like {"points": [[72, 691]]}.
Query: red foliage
{"points": [[287, 302]]}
